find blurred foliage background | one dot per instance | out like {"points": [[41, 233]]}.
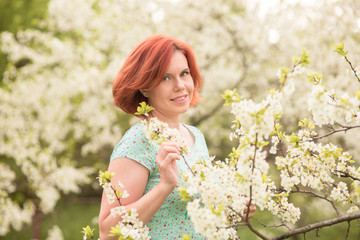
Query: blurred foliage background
{"points": [[73, 211], [19, 15]]}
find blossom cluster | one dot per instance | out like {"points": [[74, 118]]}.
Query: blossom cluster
{"points": [[157, 132], [329, 108], [216, 192], [129, 227]]}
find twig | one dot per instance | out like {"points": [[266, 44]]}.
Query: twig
{"points": [[273, 226], [232, 209], [352, 68], [188, 165], [256, 232], [321, 197], [287, 75], [343, 129], [249, 225], [345, 174], [317, 225], [117, 198], [347, 231], [232, 226], [252, 171]]}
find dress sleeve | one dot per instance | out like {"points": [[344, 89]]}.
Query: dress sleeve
{"points": [[135, 146]]}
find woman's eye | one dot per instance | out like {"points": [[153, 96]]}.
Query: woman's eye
{"points": [[166, 78], [184, 73]]}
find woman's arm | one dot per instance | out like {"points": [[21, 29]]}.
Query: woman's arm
{"points": [[134, 177]]}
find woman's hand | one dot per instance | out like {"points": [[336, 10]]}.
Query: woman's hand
{"points": [[166, 158], [252, 209]]}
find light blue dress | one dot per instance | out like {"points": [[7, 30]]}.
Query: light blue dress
{"points": [[171, 220]]}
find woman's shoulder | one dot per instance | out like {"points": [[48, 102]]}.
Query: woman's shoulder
{"points": [[135, 135], [132, 143], [137, 128]]}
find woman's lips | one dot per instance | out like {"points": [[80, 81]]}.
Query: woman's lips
{"points": [[180, 99]]}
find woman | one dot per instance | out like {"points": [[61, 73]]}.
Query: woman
{"points": [[162, 72]]}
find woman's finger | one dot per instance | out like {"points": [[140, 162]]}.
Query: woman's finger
{"points": [[165, 149], [251, 208], [170, 157], [173, 144]]}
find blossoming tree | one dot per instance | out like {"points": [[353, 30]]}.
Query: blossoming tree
{"points": [[306, 166]]}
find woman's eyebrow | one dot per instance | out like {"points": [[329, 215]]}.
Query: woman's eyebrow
{"points": [[185, 69]]}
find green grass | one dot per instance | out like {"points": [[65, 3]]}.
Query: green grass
{"points": [[70, 216]]}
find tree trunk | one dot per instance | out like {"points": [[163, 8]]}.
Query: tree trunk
{"points": [[36, 225]]}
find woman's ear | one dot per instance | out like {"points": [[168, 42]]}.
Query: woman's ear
{"points": [[144, 93]]}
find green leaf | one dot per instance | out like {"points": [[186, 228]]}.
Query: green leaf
{"points": [[184, 150], [340, 49], [314, 78], [202, 176], [144, 109], [344, 101], [294, 139], [305, 59], [272, 91], [304, 122], [106, 176], [358, 94], [264, 178], [231, 96], [278, 116], [235, 153], [262, 143], [88, 232], [283, 74], [186, 237], [217, 211], [116, 232], [262, 111], [185, 196], [240, 178]]}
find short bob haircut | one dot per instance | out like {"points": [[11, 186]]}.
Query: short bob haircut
{"points": [[145, 68]]}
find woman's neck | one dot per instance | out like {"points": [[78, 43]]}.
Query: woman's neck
{"points": [[172, 121]]}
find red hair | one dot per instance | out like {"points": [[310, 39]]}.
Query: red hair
{"points": [[145, 68]]}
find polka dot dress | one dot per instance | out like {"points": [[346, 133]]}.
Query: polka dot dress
{"points": [[171, 220]]}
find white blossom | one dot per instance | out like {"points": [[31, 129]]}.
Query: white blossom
{"points": [[55, 233], [340, 192], [157, 132]]}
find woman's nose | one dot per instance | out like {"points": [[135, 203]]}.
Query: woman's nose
{"points": [[179, 84]]}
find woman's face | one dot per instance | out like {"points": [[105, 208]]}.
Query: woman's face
{"points": [[173, 95]]}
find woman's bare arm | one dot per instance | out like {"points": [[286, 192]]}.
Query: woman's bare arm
{"points": [[134, 177]]}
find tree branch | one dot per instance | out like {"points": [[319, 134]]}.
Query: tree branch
{"points": [[319, 196], [343, 129], [318, 225], [352, 69], [256, 232], [347, 175]]}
